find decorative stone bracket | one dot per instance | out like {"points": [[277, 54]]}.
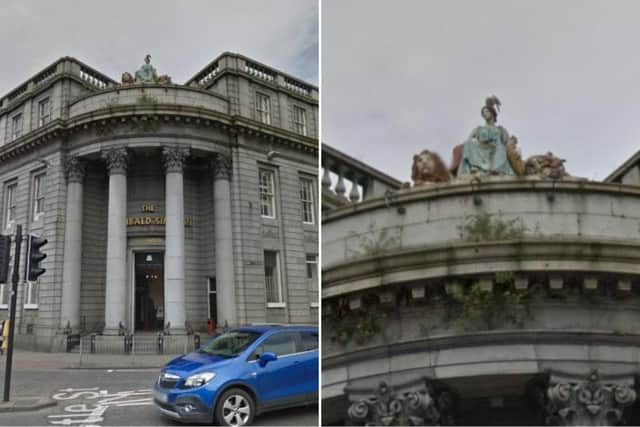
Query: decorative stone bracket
{"points": [[419, 403], [588, 402]]}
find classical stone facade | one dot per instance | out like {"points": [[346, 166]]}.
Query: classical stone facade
{"points": [[498, 300], [165, 205]]}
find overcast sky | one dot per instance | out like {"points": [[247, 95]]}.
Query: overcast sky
{"points": [[402, 76], [182, 37]]}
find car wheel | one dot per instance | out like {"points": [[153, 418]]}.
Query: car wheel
{"points": [[235, 408]]}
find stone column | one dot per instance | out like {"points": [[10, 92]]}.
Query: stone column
{"points": [[115, 308], [225, 282], [174, 300], [72, 266]]}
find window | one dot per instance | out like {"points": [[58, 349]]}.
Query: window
{"points": [[5, 290], [306, 197], [281, 344], [272, 279], [31, 294], [38, 196], [10, 203], [16, 128], [309, 341], [44, 111], [312, 268], [300, 120], [267, 194], [263, 108]]}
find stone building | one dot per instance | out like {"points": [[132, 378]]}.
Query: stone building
{"points": [[164, 205], [490, 300]]}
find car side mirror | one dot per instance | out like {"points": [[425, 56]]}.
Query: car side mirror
{"points": [[267, 357]]}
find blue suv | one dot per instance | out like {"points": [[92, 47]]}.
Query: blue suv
{"points": [[241, 373]]}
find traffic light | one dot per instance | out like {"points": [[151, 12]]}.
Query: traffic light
{"points": [[34, 256], [5, 251]]}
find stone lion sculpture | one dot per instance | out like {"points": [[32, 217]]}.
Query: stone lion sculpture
{"points": [[428, 167], [127, 78], [546, 166]]}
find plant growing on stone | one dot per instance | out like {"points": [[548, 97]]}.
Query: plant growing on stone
{"points": [[483, 227], [476, 307], [376, 242], [359, 325]]}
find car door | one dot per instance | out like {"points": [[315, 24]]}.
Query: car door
{"points": [[309, 360], [281, 382]]}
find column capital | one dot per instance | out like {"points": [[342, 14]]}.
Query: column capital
{"points": [[418, 402], [174, 158], [116, 159], [75, 169], [589, 401], [222, 166]]}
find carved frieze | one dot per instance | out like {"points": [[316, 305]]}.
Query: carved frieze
{"points": [[174, 158], [75, 169], [116, 159]]}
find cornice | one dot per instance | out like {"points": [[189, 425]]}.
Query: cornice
{"points": [[125, 115]]}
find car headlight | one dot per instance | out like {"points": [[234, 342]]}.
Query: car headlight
{"points": [[200, 379]]}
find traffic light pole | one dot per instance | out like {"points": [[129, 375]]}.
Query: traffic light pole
{"points": [[12, 316]]}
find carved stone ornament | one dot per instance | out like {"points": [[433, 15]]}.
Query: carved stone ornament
{"points": [[546, 166], [420, 406], [116, 159], [75, 169], [428, 167], [222, 167], [174, 158], [590, 402]]}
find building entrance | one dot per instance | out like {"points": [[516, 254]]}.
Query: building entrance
{"points": [[149, 291]]}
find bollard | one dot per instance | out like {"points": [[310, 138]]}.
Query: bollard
{"points": [[93, 343]]}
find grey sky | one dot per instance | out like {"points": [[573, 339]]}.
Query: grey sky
{"points": [[182, 36], [402, 76]]}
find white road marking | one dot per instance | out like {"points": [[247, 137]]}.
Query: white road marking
{"points": [[82, 414]]}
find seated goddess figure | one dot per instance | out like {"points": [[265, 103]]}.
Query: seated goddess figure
{"points": [[485, 151]]}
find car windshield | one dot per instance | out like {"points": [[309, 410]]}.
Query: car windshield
{"points": [[230, 344]]}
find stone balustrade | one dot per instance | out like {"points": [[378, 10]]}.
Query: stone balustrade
{"points": [[346, 180]]}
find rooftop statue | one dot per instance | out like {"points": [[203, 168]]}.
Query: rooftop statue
{"points": [[145, 74], [485, 151]]}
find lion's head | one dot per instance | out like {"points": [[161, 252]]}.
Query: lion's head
{"points": [[127, 78], [428, 167]]}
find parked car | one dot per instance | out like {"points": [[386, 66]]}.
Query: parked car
{"points": [[241, 373]]}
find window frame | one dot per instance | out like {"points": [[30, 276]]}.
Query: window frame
{"points": [[31, 291], [300, 126], [10, 202], [311, 202], [263, 114], [16, 132], [264, 192], [280, 303], [44, 117], [38, 181]]}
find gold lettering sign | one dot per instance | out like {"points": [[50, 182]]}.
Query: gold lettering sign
{"points": [[154, 220], [148, 207]]}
